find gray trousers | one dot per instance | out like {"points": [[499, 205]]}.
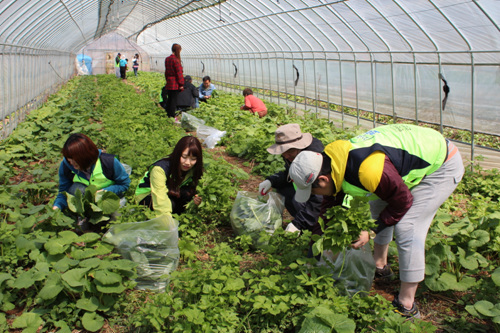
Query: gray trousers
{"points": [[410, 233]]}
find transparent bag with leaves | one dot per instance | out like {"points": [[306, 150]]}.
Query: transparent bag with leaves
{"points": [[153, 245], [252, 213], [210, 136], [191, 123]]}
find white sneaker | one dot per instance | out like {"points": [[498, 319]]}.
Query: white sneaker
{"points": [[291, 228]]}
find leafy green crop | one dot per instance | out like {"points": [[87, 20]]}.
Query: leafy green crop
{"points": [[343, 226], [96, 206]]}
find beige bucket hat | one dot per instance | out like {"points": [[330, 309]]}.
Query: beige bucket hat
{"points": [[289, 136]]}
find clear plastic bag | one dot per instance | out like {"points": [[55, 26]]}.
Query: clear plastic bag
{"points": [[252, 213], [190, 123], [354, 270], [210, 136], [153, 245], [128, 168]]}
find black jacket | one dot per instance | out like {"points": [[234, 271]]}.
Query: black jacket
{"points": [[186, 98], [281, 178]]}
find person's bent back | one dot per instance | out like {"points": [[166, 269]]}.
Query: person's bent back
{"points": [[253, 104]]}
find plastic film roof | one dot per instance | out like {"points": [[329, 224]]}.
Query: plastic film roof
{"points": [[377, 28], [370, 28], [68, 25]]}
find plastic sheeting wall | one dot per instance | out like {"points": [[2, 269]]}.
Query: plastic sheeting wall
{"points": [[28, 77], [405, 90]]}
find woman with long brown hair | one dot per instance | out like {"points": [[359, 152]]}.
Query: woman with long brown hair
{"points": [[174, 80], [170, 183]]}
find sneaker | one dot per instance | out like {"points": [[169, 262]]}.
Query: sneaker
{"points": [[399, 308], [385, 273], [176, 120]]}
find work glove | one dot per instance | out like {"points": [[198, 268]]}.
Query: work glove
{"points": [[291, 228], [264, 187]]}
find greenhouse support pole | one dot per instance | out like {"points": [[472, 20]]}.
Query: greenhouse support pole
{"points": [[315, 86], [252, 72], [262, 75], [415, 86], [270, 83], [472, 110], [239, 70], [284, 74], [356, 88], [294, 87], [16, 87], [440, 95], [327, 87], [341, 92], [304, 80], [2, 92], [278, 87], [373, 70], [393, 89], [255, 74]]}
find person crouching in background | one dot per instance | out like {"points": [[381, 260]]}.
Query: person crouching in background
{"points": [[188, 98], [253, 104]]}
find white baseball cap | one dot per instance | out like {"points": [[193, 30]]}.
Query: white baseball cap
{"points": [[304, 170]]}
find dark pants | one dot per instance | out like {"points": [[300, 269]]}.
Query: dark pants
{"points": [[123, 72], [135, 70], [170, 100], [305, 214], [77, 186], [178, 204]]}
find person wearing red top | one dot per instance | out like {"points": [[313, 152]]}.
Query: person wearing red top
{"points": [[174, 80], [254, 104]]}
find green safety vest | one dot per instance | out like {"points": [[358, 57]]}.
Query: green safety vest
{"points": [[97, 178], [414, 151], [144, 187]]}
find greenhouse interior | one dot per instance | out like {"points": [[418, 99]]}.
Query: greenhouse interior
{"points": [[220, 242]]}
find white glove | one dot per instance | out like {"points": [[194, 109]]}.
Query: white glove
{"points": [[291, 228], [264, 187]]}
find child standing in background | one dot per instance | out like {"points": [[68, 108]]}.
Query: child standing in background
{"points": [[253, 104]]}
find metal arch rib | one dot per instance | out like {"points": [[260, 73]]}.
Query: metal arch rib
{"points": [[73, 19], [171, 14], [99, 34]]}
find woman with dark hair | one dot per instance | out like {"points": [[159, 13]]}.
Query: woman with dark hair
{"points": [[253, 104], [83, 164], [174, 80], [135, 63], [170, 183]]}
